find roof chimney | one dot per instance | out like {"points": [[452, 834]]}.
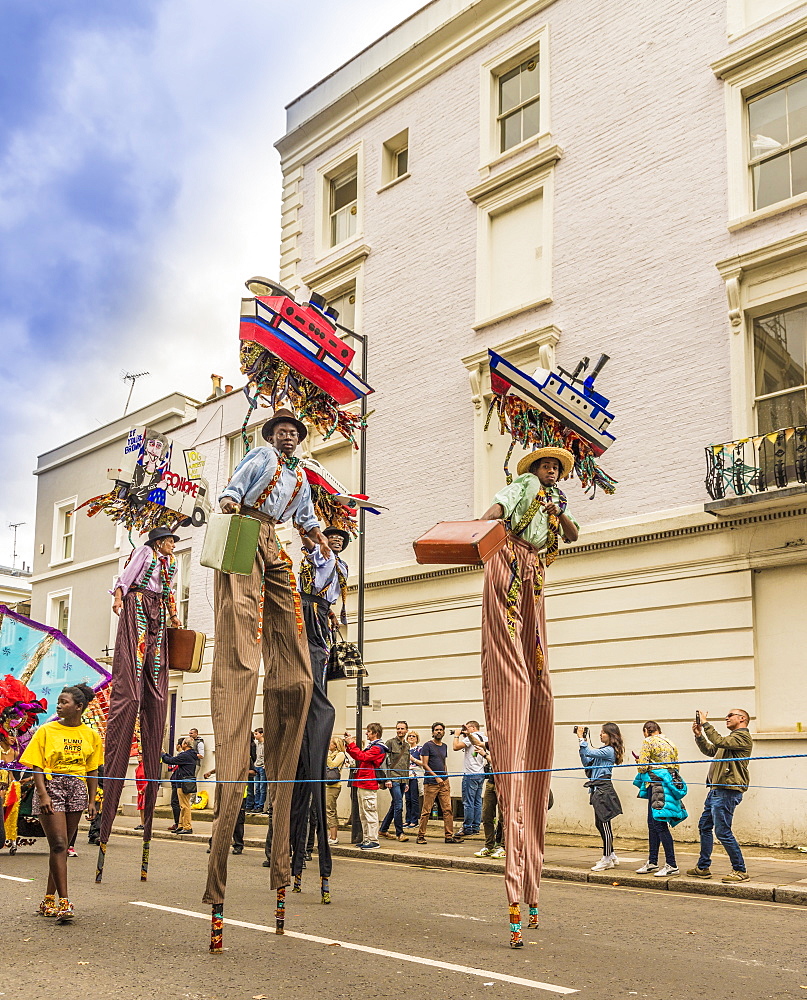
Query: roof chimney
{"points": [[228, 388], [217, 389]]}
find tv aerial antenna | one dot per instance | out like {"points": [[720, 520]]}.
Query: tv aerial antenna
{"points": [[13, 528], [131, 377]]}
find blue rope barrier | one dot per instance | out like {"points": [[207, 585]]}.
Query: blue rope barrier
{"points": [[459, 774]]}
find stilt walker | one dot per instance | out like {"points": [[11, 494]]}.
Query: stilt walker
{"points": [[323, 582], [563, 422], [144, 601], [260, 615]]}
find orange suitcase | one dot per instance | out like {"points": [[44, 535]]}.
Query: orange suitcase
{"points": [[460, 542]]}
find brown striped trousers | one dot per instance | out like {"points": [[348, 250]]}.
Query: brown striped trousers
{"points": [[287, 686], [519, 713]]}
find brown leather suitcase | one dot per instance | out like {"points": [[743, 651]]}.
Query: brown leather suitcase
{"points": [[460, 542], [186, 649]]}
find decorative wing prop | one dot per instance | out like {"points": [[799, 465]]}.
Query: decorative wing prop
{"points": [[292, 352], [554, 408], [42, 660]]}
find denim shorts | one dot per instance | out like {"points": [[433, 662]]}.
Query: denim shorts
{"points": [[68, 794]]}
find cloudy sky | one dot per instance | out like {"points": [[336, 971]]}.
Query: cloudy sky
{"points": [[138, 188]]}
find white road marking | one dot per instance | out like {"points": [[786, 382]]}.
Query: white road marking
{"points": [[417, 960], [14, 878], [463, 916]]}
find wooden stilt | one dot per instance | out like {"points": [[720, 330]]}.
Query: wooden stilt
{"points": [[99, 865], [217, 928], [298, 884], [325, 889], [144, 864], [280, 912], [516, 940], [533, 921]]}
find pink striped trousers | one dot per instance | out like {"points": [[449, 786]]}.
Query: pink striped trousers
{"points": [[518, 711]]}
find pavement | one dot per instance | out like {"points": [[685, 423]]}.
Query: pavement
{"points": [[392, 932], [776, 874]]}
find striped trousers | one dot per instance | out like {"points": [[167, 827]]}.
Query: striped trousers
{"points": [[518, 710], [134, 693], [287, 686]]}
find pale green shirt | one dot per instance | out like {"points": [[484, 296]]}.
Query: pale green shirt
{"points": [[516, 499]]}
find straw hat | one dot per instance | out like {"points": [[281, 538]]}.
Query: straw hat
{"points": [[566, 459]]}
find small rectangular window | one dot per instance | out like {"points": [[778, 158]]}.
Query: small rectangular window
{"points": [[61, 614], [519, 115], [63, 531], [344, 303], [343, 206], [395, 160]]}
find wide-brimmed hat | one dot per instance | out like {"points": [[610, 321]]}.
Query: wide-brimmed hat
{"points": [[342, 534], [566, 459], [283, 416], [157, 533]]}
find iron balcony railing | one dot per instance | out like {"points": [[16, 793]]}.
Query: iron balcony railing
{"points": [[757, 464]]}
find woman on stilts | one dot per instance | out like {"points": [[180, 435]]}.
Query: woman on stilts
{"points": [[64, 756]]}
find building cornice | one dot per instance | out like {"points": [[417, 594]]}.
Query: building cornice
{"points": [[410, 573], [759, 49], [772, 253], [522, 171], [69, 568], [333, 266], [437, 50]]}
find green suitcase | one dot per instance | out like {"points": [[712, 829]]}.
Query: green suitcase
{"points": [[230, 543]]}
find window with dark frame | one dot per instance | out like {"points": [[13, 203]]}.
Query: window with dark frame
{"points": [[519, 115]]}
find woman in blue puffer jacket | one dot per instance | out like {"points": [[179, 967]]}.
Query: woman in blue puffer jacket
{"points": [[658, 781]]}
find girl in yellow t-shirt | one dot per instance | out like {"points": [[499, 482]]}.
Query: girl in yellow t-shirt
{"points": [[64, 756]]}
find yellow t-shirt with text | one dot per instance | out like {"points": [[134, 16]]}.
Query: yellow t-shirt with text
{"points": [[59, 749]]}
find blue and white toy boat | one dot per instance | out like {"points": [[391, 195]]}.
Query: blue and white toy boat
{"points": [[564, 396]]}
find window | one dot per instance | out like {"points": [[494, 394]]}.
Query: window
{"points": [[395, 158], [183, 586], [744, 13], [343, 194], [238, 449], [515, 255], [780, 370], [780, 638], [63, 531], [777, 133], [344, 303], [519, 115], [59, 610]]}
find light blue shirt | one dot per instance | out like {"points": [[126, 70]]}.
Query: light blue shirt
{"points": [[598, 761], [252, 476], [324, 573]]}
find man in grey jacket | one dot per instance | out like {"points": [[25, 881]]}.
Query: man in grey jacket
{"points": [[397, 780], [727, 781]]}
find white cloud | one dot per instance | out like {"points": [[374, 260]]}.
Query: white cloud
{"points": [[190, 108]]}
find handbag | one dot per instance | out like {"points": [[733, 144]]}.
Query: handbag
{"points": [[332, 775], [188, 787], [344, 660]]}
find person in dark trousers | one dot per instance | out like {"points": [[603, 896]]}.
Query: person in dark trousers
{"points": [[184, 778], [398, 757], [599, 762], [238, 830], [727, 781]]}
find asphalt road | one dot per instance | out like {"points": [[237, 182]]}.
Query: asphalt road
{"points": [[601, 941]]}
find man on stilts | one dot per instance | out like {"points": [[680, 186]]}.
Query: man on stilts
{"points": [[516, 687], [323, 582], [260, 615], [144, 601]]}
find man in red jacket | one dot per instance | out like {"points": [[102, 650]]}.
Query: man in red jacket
{"points": [[366, 781]]}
